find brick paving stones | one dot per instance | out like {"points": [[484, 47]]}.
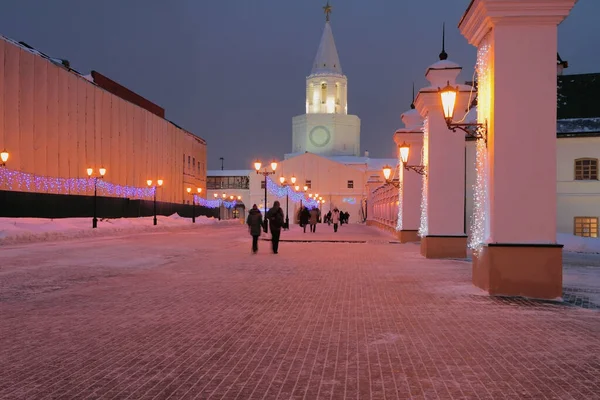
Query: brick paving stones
{"points": [[193, 315]]}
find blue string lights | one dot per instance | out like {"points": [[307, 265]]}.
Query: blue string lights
{"points": [[281, 191], [214, 203], [44, 184]]}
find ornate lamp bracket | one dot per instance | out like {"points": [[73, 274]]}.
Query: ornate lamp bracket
{"points": [[475, 130], [419, 169], [394, 183]]}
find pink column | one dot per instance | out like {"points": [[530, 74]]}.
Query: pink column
{"points": [[409, 207], [442, 227], [517, 41]]}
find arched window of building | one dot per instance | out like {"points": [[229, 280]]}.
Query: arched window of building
{"points": [[586, 169], [323, 93], [337, 94]]}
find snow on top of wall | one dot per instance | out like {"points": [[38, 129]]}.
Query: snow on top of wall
{"points": [[25, 230], [578, 125], [229, 172], [444, 64], [578, 244]]}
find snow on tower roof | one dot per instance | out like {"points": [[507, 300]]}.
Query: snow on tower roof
{"points": [[327, 61]]}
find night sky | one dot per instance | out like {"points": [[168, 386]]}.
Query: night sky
{"points": [[233, 72]]}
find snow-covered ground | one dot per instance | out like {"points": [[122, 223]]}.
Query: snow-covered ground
{"points": [[23, 230], [18, 230], [581, 256], [190, 313]]}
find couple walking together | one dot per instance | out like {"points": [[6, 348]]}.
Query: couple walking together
{"points": [[274, 218], [309, 217]]}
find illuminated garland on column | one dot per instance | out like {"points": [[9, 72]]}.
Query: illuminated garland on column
{"points": [[480, 220], [81, 186], [424, 226], [400, 191]]}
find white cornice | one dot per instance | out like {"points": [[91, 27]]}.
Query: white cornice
{"points": [[482, 15]]}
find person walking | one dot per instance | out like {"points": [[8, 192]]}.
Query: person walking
{"points": [[254, 222], [275, 218], [304, 217], [314, 218], [335, 218], [328, 218]]}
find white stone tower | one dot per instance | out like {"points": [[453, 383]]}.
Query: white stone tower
{"points": [[326, 128]]}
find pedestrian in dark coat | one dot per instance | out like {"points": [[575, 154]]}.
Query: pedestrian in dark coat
{"points": [[275, 218], [314, 218], [304, 217], [254, 222]]}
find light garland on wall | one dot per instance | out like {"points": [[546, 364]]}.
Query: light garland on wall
{"points": [[281, 191], [480, 219], [424, 226], [214, 203], [81, 186], [400, 190]]}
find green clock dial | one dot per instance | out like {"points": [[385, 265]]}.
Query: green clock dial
{"points": [[319, 136]]}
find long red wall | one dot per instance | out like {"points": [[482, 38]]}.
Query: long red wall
{"points": [[56, 123]]}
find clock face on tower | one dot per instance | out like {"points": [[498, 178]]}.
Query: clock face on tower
{"points": [[319, 136]]}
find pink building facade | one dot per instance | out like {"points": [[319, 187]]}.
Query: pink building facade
{"points": [[56, 123]]}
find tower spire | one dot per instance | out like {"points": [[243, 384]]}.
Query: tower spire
{"points": [[327, 60], [443, 54], [327, 8], [412, 104]]}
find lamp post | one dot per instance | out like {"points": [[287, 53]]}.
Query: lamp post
{"points": [[189, 190], [158, 184], [265, 173], [219, 207], [90, 171], [448, 97], [4, 157], [287, 198]]}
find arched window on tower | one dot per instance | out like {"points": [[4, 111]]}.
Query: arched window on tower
{"points": [[323, 93], [337, 94]]}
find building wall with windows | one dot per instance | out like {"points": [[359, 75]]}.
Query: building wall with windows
{"points": [[578, 187], [341, 183], [56, 123]]}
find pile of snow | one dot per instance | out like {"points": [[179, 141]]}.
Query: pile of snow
{"points": [[20, 230], [578, 244]]}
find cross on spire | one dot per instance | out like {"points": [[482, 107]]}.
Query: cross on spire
{"points": [[327, 8]]}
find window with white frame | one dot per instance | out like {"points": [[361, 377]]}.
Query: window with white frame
{"points": [[586, 169], [586, 226]]}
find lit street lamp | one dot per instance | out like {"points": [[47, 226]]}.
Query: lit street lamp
{"points": [[219, 207], [448, 97], [189, 190], [199, 190], [287, 198], [4, 157], [158, 184], [90, 171], [265, 173]]}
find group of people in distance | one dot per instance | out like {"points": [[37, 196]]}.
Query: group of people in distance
{"points": [[275, 220]]}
